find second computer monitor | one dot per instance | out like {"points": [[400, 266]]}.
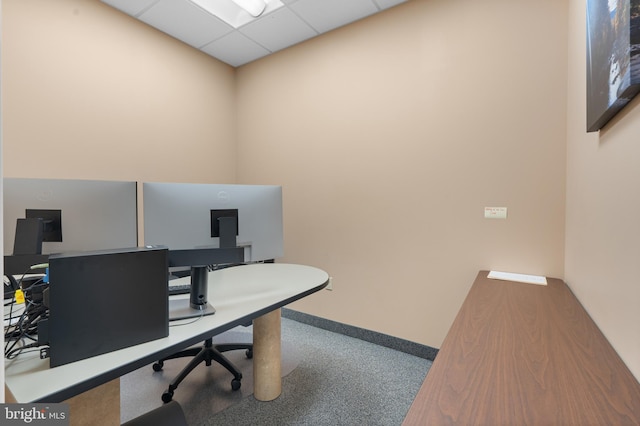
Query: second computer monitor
{"points": [[185, 216], [77, 215]]}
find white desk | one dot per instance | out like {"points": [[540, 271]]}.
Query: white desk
{"points": [[239, 295]]}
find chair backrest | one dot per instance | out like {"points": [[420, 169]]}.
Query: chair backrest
{"points": [[169, 414]]}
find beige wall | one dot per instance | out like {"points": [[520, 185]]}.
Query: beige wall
{"points": [[603, 209], [391, 135], [91, 93]]}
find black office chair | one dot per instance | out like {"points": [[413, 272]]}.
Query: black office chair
{"points": [[207, 353], [210, 352], [166, 415]]}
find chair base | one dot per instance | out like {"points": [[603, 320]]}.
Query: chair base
{"points": [[207, 353]]}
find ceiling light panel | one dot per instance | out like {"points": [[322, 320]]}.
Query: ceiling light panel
{"points": [[326, 15], [278, 30], [254, 7], [185, 21], [231, 13]]}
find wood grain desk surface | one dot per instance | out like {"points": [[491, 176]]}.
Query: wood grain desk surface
{"points": [[525, 354]]}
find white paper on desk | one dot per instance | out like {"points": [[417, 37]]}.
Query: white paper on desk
{"points": [[521, 278]]}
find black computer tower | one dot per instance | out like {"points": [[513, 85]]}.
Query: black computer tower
{"points": [[102, 301]]}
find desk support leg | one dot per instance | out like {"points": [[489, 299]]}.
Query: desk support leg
{"points": [[99, 406], [267, 367]]}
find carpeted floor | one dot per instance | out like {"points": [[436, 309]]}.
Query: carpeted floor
{"points": [[329, 379]]}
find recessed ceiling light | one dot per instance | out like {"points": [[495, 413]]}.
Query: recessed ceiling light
{"points": [[254, 7], [238, 12]]}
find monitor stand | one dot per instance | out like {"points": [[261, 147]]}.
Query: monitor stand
{"points": [[196, 305]]}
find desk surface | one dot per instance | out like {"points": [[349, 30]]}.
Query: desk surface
{"points": [[239, 295], [525, 354]]}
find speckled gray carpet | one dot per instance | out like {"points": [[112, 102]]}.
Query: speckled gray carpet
{"points": [[329, 379]]}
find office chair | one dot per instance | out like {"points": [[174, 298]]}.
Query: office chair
{"points": [[166, 415], [207, 353]]}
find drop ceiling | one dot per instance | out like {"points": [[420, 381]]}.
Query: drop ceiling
{"points": [[294, 22]]}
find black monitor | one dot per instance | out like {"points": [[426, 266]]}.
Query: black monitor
{"points": [[101, 301]]}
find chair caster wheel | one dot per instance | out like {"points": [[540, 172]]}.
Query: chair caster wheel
{"points": [[249, 353], [158, 366], [167, 396], [235, 385]]}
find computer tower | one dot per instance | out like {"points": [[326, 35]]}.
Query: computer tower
{"points": [[102, 301]]}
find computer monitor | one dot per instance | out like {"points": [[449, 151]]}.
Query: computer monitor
{"points": [[183, 216], [77, 215], [188, 219]]}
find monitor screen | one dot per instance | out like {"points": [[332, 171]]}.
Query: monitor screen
{"points": [[186, 216], [77, 215]]}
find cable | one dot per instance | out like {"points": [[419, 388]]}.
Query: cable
{"points": [[15, 352], [195, 319], [25, 327], [19, 333], [39, 266]]}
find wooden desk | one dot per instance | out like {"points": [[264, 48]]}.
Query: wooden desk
{"points": [[525, 354], [240, 295]]}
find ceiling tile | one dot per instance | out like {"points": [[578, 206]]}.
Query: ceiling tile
{"points": [[130, 7], [235, 49], [279, 29], [326, 15], [385, 4], [185, 21], [299, 20]]}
